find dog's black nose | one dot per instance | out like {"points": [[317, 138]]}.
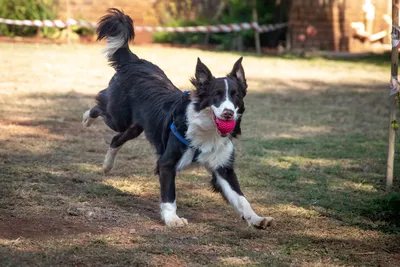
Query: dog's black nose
{"points": [[227, 114]]}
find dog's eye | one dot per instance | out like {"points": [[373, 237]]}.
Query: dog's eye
{"points": [[234, 94], [217, 93]]}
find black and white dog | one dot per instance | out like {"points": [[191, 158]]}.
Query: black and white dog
{"points": [[181, 126]]}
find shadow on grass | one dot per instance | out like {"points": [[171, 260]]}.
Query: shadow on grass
{"points": [[143, 253], [222, 247], [84, 255]]}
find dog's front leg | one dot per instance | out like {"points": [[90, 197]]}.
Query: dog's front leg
{"points": [[168, 201], [225, 181], [166, 170]]}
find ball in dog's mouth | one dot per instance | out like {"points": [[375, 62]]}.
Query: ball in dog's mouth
{"points": [[224, 127]]}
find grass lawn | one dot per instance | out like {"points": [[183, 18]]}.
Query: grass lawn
{"points": [[312, 155]]}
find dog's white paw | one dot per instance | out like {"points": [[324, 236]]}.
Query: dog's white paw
{"points": [[86, 119], [109, 160], [263, 222], [108, 166], [176, 222]]}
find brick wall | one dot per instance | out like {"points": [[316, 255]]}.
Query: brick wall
{"points": [[141, 11], [333, 18]]}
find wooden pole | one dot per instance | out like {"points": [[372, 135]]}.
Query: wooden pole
{"points": [[394, 72], [256, 33], [216, 16], [288, 39], [288, 6]]}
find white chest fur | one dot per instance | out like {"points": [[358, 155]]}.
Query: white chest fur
{"points": [[216, 151]]}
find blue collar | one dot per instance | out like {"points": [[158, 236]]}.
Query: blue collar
{"points": [[182, 139]]}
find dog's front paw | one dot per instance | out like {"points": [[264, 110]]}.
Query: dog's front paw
{"points": [[86, 119], [108, 163], [263, 222], [107, 167], [176, 222], [109, 160]]}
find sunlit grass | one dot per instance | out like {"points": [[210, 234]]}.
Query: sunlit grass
{"points": [[134, 185]]}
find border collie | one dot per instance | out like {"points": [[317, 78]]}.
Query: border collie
{"points": [[182, 127]]}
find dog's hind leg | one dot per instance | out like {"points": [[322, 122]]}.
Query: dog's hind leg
{"points": [[116, 144]]}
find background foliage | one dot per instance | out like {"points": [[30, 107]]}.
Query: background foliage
{"points": [[30, 10], [202, 12], [36, 10]]}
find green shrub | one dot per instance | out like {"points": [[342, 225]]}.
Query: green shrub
{"points": [[29, 10], [82, 31], [187, 38]]}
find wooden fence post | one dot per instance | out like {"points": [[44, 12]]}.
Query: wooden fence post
{"points": [[256, 33], [392, 100]]}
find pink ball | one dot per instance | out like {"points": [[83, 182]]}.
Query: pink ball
{"points": [[225, 127]]}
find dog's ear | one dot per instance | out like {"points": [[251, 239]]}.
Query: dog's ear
{"points": [[203, 74], [238, 74], [201, 80]]}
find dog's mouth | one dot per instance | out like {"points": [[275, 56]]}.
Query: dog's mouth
{"points": [[224, 127]]}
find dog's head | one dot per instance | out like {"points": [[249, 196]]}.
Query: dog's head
{"points": [[224, 96]]}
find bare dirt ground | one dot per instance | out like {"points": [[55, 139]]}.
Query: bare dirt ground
{"points": [[312, 155]]}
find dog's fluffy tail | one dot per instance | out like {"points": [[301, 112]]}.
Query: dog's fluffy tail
{"points": [[117, 29]]}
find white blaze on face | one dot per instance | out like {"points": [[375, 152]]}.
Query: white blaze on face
{"points": [[227, 104]]}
